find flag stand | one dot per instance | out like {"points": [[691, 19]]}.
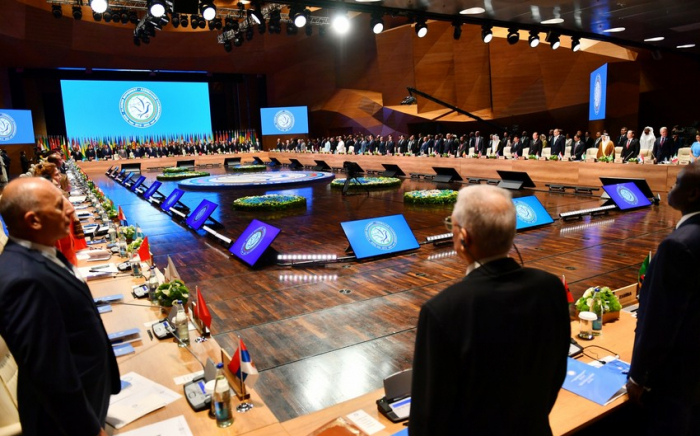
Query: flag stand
{"points": [[243, 395]]}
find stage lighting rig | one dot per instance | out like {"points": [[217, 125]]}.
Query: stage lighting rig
{"points": [[56, 11]]}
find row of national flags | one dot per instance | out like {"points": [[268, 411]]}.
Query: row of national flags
{"points": [[52, 142]]}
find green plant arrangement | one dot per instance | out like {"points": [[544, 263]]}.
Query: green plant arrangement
{"points": [[606, 159], [172, 291], [128, 231], [247, 168], [430, 196], [181, 175], [554, 157], [135, 245], [269, 202], [634, 160], [610, 300], [174, 170], [368, 182], [532, 157]]}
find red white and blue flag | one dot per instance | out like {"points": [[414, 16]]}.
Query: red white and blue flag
{"points": [[242, 367]]}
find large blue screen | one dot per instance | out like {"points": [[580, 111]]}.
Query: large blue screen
{"points": [[254, 241], [16, 127], [97, 109], [284, 120], [626, 195], [599, 86], [151, 190], [379, 236], [201, 214], [172, 199], [529, 212]]}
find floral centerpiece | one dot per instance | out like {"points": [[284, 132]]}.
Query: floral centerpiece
{"points": [[134, 245], [635, 160], [128, 231], [169, 292], [532, 157], [431, 196], [173, 170], [269, 202], [611, 303], [181, 175], [247, 168], [368, 182], [606, 159], [554, 157]]}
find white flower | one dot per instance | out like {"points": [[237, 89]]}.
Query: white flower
{"points": [[166, 291]]}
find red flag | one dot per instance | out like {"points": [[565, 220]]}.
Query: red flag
{"points": [[145, 250], [121, 214], [569, 297], [203, 310]]}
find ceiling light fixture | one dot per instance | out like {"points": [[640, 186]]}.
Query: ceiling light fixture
{"points": [[472, 11], [98, 6], [256, 16], [513, 36], [457, 33], [686, 46], [157, 8], [486, 33], [175, 21], [96, 16], [553, 40], [208, 11], [184, 22], [575, 43], [77, 12], [56, 11], [614, 30], [534, 39], [553, 21], [107, 16], [654, 39], [340, 23], [376, 24], [421, 27], [301, 18]]}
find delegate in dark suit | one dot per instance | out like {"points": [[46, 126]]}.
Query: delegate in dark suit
{"points": [[666, 355], [630, 150], [483, 364], [535, 148], [558, 145], [578, 149], [664, 149], [67, 369]]}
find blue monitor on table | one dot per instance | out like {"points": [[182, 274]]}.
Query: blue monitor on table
{"points": [[201, 214], [121, 174], [379, 236], [3, 226], [151, 190], [137, 183], [254, 241], [127, 177], [529, 212], [627, 196], [172, 199]]}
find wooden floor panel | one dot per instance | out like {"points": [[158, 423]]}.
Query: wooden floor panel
{"points": [[316, 346]]}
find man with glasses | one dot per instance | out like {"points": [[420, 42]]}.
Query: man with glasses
{"points": [[491, 349]]}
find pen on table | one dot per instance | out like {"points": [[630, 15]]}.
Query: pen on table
{"points": [[99, 268], [150, 335]]}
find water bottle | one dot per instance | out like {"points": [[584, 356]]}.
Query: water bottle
{"points": [[136, 265], [122, 246], [152, 285], [599, 310], [182, 325], [221, 401], [112, 233]]}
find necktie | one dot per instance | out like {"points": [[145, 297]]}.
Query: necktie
{"points": [[628, 143], [663, 138]]}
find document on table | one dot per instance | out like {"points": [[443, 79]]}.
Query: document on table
{"points": [[97, 271], [172, 427], [141, 398]]}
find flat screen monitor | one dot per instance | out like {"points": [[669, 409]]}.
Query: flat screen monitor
{"points": [[16, 127], [529, 213], [254, 241], [137, 183], [289, 120], [232, 161], [121, 173], [127, 177], [641, 184], [151, 190], [321, 165], [627, 196], [3, 226], [599, 86], [172, 199], [515, 178], [379, 236], [201, 214], [185, 163], [392, 170], [446, 175]]}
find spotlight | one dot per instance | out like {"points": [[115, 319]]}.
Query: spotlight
{"points": [[133, 17], [238, 40], [57, 11], [211, 25], [96, 16], [176, 21], [107, 16], [575, 43], [202, 23], [458, 30], [227, 45], [256, 16], [228, 24], [340, 23], [486, 33], [513, 36], [98, 6], [184, 22], [208, 11], [195, 21], [77, 12], [301, 18], [534, 39], [421, 27], [217, 23], [125, 17], [291, 29], [157, 8], [309, 31], [377, 24], [553, 40]]}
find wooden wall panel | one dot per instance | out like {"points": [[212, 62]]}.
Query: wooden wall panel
{"points": [[395, 58], [434, 66], [472, 76]]}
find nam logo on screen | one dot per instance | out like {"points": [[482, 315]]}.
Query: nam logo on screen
{"points": [[597, 93], [253, 240], [627, 196], [201, 213], [380, 235], [8, 127], [140, 107], [284, 120], [525, 212]]}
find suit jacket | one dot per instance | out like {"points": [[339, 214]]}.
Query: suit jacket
{"points": [[558, 144], [666, 354], [665, 152], [67, 369], [536, 148], [578, 149], [516, 148], [630, 152], [484, 361]]}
